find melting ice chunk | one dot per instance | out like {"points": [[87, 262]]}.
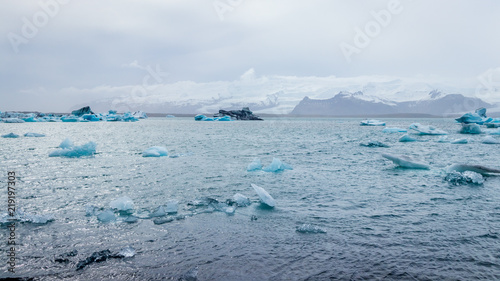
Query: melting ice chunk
{"points": [[490, 140], [405, 161], [34, 135], [457, 178], [172, 207], [460, 141], [407, 138], [127, 252], [10, 135], [255, 165], [87, 149], [265, 198], [426, 130], [155, 151], [394, 130], [470, 129], [277, 166], [122, 204], [307, 228], [106, 216], [241, 200]]}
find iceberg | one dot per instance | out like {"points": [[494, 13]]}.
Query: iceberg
{"points": [[140, 115], [255, 165], [443, 139], [10, 136], [199, 117], [426, 130], [460, 141], [473, 168], [67, 143], [405, 161], [470, 129], [155, 151], [70, 119], [106, 216], [241, 200], [467, 177], [490, 140], [34, 135], [159, 212], [371, 122], [494, 123], [307, 228], [265, 198], [122, 204], [172, 207], [407, 138], [277, 166], [394, 130], [373, 144], [495, 132], [87, 149], [478, 117]]}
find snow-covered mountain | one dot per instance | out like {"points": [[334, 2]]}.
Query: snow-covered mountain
{"points": [[359, 104]]}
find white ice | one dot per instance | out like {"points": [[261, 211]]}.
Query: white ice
{"points": [[490, 140], [460, 141], [265, 198], [155, 151], [241, 200], [172, 207], [405, 161], [426, 130]]}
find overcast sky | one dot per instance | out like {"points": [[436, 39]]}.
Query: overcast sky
{"points": [[52, 50]]}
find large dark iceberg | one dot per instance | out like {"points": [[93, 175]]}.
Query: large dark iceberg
{"points": [[244, 114]]}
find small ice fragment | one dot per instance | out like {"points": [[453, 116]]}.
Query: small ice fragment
{"points": [[407, 138], [405, 161], [426, 130], [443, 139], [163, 220], [394, 130], [373, 144], [106, 216], [490, 140], [155, 151], [172, 207], [255, 165], [277, 166], [67, 143], [122, 204], [159, 212], [90, 210], [131, 219], [460, 141], [11, 136], [34, 135], [264, 196], [191, 275], [241, 200], [127, 252], [229, 210], [307, 228]]}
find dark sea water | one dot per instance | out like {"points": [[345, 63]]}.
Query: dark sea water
{"points": [[382, 222]]}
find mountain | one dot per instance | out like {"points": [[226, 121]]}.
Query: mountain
{"points": [[358, 104]]}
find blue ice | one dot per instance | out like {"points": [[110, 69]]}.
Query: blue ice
{"points": [[407, 138], [122, 204], [394, 130], [106, 216], [155, 151], [10, 135], [277, 166], [241, 200], [255, 165], [34, 135], [265, 197], [470, 129], [69, 150]]}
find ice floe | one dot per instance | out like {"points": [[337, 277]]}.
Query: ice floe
{"points": [[407, 138], [70, 150], [405, 161]]}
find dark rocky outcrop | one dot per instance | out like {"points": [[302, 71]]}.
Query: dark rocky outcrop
{"points": [[82, 111], [244, 114]]}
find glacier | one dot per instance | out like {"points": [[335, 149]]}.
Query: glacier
{"points": [[155, 151], [405, 161]]}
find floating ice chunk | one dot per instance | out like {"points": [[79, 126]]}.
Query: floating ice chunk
{"points": [[87, 149], [307, 228], [67, 143], [394, 130], [159, 212], [277, 166], [443, 139], [224, 118], [199, 117], [70, 119], [373, 144], [90, 210], [140, 115], [490, 140], [405, 161], [407, 138], [34, 135], [241, 200], [131, 219], [13, 120], [170, 116], [127, 252], [230, 210], [122, 204], [478, 117], [155, 151], [426, 130], [460, 141], [255, 165], [10, 136], [474, 168], [457, 178], [372, 122], [106, 216], [470, 129], [494, 132], [265, 198], [163, 220], [172, 207]]}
